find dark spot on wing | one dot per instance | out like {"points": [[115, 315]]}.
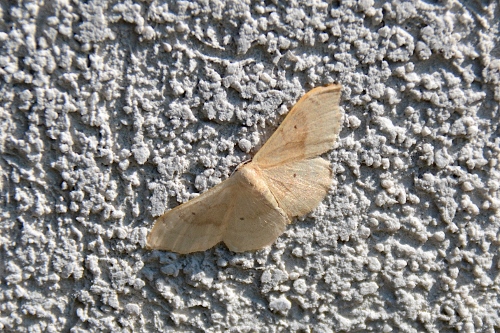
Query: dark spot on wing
{"points": [[193, 213], [314, 100], [294, 175], [242, 218]]}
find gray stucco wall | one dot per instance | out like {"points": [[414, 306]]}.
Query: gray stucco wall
{"points": [[112, 112]]}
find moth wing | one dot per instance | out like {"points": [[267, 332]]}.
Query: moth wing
{"points": [[256, 220], [299, 186], [309, 130], [196, 225], [244, 215]]}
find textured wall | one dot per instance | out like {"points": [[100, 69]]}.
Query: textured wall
{"points": [[112, 112]]}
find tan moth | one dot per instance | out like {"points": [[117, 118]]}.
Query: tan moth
{"points": [[285, 179]]}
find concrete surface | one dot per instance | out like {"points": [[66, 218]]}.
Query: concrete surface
{"points": [[112, 112]]}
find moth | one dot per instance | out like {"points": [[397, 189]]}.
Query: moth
{"points": [[285, 179]]}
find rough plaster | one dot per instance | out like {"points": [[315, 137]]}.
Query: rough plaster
{"points": [[112, 112]]}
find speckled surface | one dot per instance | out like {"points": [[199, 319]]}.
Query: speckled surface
{"points": [[113, 112]]}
